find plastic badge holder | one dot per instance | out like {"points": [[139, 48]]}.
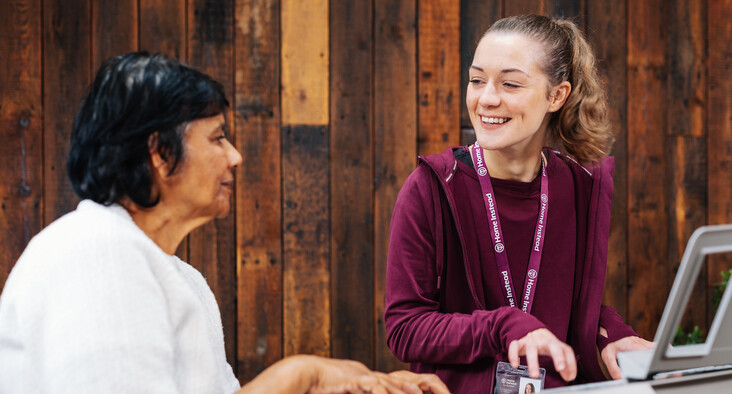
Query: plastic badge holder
{"points": [[511, 380]]}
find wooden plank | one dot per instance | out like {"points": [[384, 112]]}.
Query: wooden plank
{"points": [[719, 123], [574, 10], [212, 247], [476, 16], [606, 32], [305, 240], [688, 167], [259, 195], [647, 190], [438, 75], [21, 129], [519, 7], [395, 138], [304, 62], [114, 29], [351, 199], [66, 77], [306, 227], [163, 27]]}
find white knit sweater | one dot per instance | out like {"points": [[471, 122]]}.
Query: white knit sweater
{"points": [[95, 306]]}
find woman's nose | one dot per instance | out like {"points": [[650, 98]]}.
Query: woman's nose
{"points": [[489, 97], [234, 156]]}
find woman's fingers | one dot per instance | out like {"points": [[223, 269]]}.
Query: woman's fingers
{"points": [[543, 342], [532, 359]]}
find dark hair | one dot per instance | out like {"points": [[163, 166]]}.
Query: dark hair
{"points": [[581, 127], [136, 103]]}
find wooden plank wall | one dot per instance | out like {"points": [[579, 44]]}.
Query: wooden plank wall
{"points": [[331, 103]]}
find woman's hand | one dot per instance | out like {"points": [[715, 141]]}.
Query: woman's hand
{"points": [[347, 376], [543, 342], [610, 353], [319, 375]]}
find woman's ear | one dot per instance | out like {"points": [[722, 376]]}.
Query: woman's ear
{"points": [[157, 161], [559, 96]]}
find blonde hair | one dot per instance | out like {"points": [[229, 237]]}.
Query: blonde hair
{"points": [[580, 128]]}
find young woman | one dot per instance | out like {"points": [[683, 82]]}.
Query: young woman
{"points": [[498, 249]]}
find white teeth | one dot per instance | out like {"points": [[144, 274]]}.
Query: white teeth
{"points": [[494, 120]]}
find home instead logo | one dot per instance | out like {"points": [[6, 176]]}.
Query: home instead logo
{"points": [[540, 226], [507, 286], [494, 220], [479, 162], [529, 285]]}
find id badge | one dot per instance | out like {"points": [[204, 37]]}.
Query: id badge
{"points": [[511, 380]]}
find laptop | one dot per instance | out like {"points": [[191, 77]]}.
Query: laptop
{"points": [[716, 352], [713, 357]]}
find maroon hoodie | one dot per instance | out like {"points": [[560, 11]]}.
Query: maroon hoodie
{"points": [[445, 310]]}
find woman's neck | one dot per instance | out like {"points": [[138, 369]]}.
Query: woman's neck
{"points": [[517, 166], [159, 224]]}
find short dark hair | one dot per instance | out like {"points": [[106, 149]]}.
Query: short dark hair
{"points": [[133, 97]]}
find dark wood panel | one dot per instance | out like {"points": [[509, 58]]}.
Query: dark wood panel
{"points": [[438, 75], [574, 10], [163, 27], [647, 184], [306, 287], [687, 211], [351, 198], [21, 127], [212, 247], [519, 7], [719, 123], [606, 32], [395, 138], [687, 142], [476, 16], [66, 77], [114, 29], [259, 196]]}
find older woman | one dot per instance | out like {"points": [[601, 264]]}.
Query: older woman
{"points": [[98, 302]]}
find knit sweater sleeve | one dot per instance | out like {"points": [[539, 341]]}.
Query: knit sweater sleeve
{"points": [[417, 331]]}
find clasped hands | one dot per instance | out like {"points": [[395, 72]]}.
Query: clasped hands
{"points": [[543, 342]]}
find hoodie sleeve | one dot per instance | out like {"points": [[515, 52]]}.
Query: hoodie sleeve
{"points": [[416, 329], [616, 328]]}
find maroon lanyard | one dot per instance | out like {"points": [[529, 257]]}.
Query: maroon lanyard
{"points": [[497, 234]]}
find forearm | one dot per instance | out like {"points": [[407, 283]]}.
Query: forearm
{"points": [[444, 338], [295, 374]]}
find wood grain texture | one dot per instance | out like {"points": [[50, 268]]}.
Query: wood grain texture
{"points": [[438, 75], [606, 32], [351, 168], [114, 29], [687, 141], [66, 77], [163, 27], [212, 247], [304, 62], [21, 128], [476, 16], [519, 7], [647, 185], [306, 232], [259, 195], [395, 138], [719, 124], [574, 10]]}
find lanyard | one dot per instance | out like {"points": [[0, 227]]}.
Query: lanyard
{"points": [[491, 208]]}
